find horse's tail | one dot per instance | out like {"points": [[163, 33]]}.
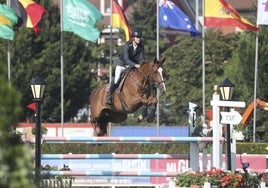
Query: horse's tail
{"points": [[94, 92], [91, 95]]}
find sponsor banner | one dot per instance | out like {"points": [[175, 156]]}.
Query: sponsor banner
{"points": [[167, 165], [105, 165], [257, 163]]}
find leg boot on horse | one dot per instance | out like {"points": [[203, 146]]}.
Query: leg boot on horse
{"points": [[151, 117], [143, 113], [109, 98]]}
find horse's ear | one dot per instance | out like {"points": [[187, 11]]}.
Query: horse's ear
{"points": [[155, 60], [163, 60]]}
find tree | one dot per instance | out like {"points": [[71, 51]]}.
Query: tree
{"points": [[40, 54], [15, 158], [243, 72]]}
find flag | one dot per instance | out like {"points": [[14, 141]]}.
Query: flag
{"points": [[32, 106], [79, 17], [262, 13], [8, 19], [29, 12], [119, 19], [171, 16], [218, 13]]}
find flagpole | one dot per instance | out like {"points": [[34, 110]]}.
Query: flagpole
{"points": [[203, 63], [157, 56], [255, 84], [8, 63], [8, 57], [111, 62], [62, 67], [111, 42], [196, 14]]}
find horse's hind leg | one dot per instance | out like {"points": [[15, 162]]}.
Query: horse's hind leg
{"points": [[100, 128], [95, 128], [103, 127]]}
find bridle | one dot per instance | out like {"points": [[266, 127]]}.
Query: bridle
{"points": [[154, 76]]}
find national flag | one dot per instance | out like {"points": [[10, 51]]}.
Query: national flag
{"points": [[119, 19], [29, 12], [8, 19], [171, 16], [262, 13], [79, 17], [218, 13]]}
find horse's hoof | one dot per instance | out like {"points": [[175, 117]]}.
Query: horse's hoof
{"points": [[150, 119], [140, 118]]}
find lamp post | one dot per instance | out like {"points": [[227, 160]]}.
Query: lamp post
{"points": [[226, 88], [38, 87]]}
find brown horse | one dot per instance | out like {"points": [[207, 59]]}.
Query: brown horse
{"points": [[134, 93]]}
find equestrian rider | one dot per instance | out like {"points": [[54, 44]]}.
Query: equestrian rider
{"points": [[132, 56]]}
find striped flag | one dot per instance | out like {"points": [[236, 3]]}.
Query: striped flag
{"points": [[262, 14], [218, 13], [8, 19], [119, 20], [29, 12]]}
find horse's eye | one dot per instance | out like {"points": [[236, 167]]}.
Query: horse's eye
{"points": [[165, 77]]}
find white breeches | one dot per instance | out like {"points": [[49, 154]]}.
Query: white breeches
{"points": [[118, 70]]}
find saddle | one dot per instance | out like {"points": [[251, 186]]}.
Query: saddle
{"points": [[122, 79]]}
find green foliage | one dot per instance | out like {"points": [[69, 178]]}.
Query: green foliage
{"points": [[249, 148], [15, 158], [43, 130], [252, 148], [40, 54], [116, 148]]}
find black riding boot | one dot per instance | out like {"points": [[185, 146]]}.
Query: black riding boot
{"points": [[109, 98]]}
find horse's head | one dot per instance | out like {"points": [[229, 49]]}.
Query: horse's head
{"points": [[157, 74]]}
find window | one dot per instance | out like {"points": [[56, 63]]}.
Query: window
{"points": [[105, 7]]}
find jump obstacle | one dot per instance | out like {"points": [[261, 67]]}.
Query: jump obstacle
{"points": [[216, 140], [112, 140], [114, 156]]}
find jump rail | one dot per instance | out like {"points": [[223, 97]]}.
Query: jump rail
{"points": [[109, 173], [111, 140], [114, 156]]}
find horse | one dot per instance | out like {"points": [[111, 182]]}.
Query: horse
{"points": [[134, 91]]}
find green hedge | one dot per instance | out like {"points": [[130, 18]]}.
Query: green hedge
{"points": [[170, 148], [115, 148], [252, 148]]}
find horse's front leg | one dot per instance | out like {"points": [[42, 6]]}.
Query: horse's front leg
{"points": [[153, 102], [147, 102], [143, 114]]}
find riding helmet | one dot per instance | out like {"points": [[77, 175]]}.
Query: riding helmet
{"points": [[136, 33]]}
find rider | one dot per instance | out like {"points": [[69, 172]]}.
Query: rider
{"points": [[132, 56]]}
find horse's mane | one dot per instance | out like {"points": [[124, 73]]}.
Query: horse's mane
{"points": [[145, 62]]}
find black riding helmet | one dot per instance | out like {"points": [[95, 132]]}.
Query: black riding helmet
{"points": [[136, 33]]}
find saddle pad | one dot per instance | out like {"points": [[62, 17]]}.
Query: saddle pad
{"points": [[122, 79]]}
